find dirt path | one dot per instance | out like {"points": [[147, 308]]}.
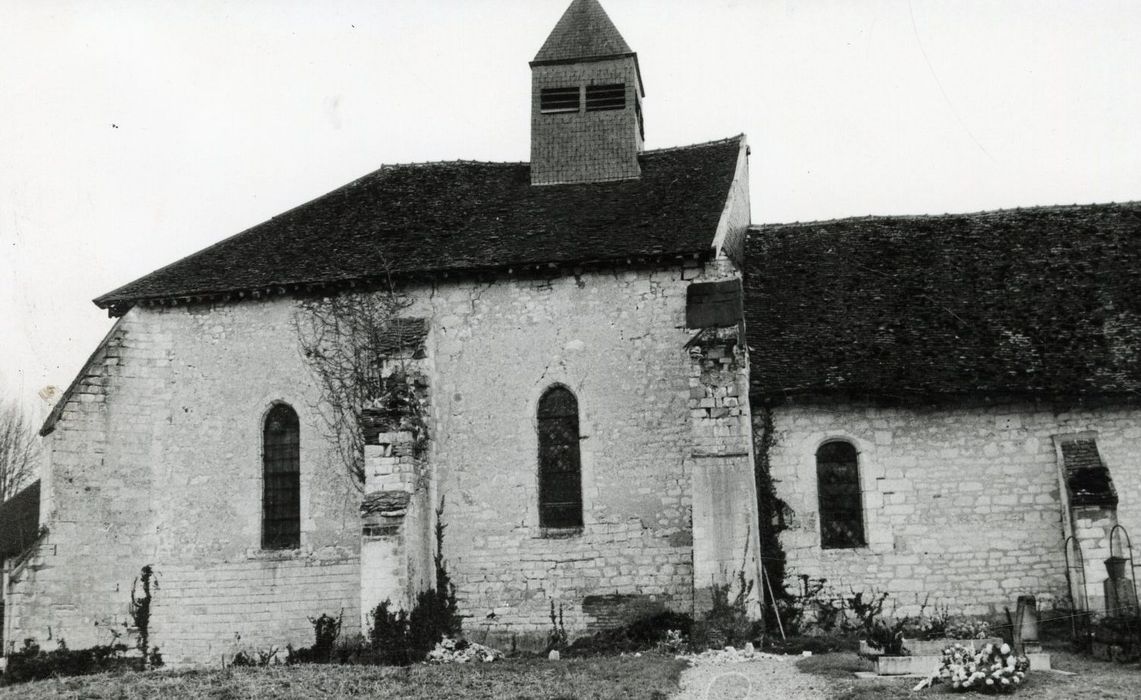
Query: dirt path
{"points": [[764, 676]]}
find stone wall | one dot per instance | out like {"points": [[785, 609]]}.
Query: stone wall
{"points": [[206, 613], [617, 340], [963, 504], [156, 459]]}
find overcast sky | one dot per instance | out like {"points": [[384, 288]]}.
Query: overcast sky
{"points": [[133, 133]]}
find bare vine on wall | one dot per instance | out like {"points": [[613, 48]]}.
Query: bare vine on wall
{"points": [[360, 351], [142, 595]]}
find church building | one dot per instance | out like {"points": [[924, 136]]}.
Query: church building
{"points": [[618, 395], [585, 433]]}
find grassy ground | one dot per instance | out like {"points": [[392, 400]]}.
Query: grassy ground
{"points": [[1092, 679], [648, 677]]}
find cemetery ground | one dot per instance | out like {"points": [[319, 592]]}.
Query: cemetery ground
{"points": [[650, 676]]}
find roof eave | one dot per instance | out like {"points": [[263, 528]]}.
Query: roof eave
{"points": [[120, 306]]}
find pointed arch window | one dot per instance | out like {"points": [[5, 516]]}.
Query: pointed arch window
{"points": [[841, 501], [281, 479], [560, 470]]}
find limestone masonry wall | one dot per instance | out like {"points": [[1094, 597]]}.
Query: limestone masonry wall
{"points": [[963, 504], [157, 460], [617, 340]]}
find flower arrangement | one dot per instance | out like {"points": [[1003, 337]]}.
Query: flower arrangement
{"points": [[992, 669], [674, 643], [460, 651]]}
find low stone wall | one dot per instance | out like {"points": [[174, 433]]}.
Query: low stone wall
{"points": [[202, 613], [599, 578]]}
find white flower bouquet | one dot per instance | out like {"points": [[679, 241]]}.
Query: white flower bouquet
{"points": [[991, 669]]}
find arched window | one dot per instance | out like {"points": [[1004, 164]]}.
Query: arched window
{"points": [[841, 502], [560, 474], [281, 487]]}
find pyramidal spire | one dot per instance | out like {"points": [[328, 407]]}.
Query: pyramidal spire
{"points": [[584, 31]]}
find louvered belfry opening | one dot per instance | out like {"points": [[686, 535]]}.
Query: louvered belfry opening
{"points": [[603, 97], [281, 486], [556, 100], [838, 485], [560, 472]]}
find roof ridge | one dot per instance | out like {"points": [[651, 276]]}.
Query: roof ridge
{"points": [[714, 142], [466, 161], [947, 215], [455, 161]]}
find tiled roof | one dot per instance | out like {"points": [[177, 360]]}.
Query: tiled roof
{"points": [[1087, 479], [19, 521], [1042, 302], [460, 217], [584, 31]]}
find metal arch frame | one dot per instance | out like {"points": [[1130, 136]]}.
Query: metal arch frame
{"points": [[1129, 548], [1080, 610]]}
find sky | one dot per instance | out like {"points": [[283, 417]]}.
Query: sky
{"points": [[135, 132]]}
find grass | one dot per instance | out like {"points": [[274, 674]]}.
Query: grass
{"points": [[1093, 679], [650, 677]]}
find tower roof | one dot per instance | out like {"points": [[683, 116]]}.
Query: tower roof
{"points": [[584, 32]]}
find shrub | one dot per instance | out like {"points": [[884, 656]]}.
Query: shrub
{"points": [[326, 629], [399, 638], [879, 631], [934, 626], [727, 622], [388, 635], [557, 636], [258, 658], [666, 631], [797, 645], [887, 636], [32, 663], [816, 609], [1120, 630]]}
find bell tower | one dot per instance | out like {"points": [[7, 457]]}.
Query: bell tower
{"points": [[586, 102]]}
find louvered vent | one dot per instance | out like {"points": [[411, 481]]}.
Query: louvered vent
{"points": [[555, 100], [603, 97]]}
